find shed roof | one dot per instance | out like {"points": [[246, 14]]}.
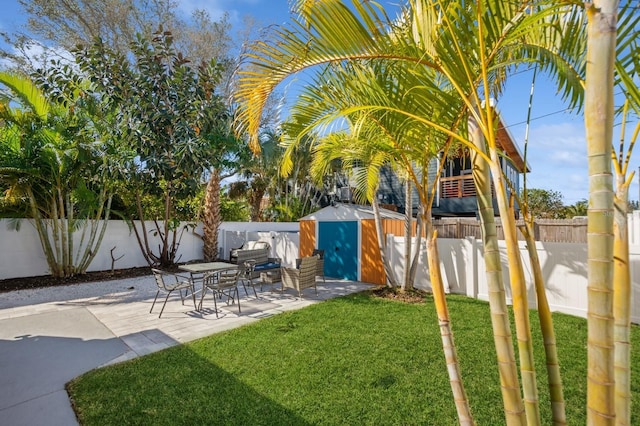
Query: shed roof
{"points": [[349, 212]]}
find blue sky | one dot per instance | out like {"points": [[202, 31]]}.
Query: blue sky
{"points": [[557, 147]]}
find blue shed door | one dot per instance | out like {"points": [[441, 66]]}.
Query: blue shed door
{"points": [[339, 240]]}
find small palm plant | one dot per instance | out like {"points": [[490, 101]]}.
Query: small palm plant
{"points": [[50, 159]]}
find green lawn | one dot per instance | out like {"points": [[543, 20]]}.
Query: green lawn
{"points": [[352, 360]]}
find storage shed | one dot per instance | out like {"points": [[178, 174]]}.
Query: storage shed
{"points": [[347, 234]]}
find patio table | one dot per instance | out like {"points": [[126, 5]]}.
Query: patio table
{"points": [[200, 269]]}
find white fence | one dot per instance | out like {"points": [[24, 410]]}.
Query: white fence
{"points": [[21, 254], [564, 268], [564, 265]]}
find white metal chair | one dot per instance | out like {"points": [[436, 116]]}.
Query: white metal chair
{"points": [[170, 282], [222, 283]]}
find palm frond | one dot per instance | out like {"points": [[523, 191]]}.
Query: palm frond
{"points": [[28, 94]]}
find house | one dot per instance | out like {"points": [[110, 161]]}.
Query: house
{"points": [[455, 191]]}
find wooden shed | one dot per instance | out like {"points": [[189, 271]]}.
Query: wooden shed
{"points": [[347, 234]]}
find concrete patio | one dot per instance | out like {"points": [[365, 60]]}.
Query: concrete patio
{"points": [[49, 336]]}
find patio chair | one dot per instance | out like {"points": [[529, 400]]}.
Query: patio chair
{"points": [[304, 277], [247, 274], [170, 282], [320, 264], [222, 283]]}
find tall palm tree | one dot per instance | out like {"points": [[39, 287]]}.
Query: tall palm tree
{"points": [[599, 109], [627, 71], [472, 46], [371, 144]]}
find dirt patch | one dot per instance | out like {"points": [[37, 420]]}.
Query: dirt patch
{"points": [[12, 284], [409, 296]]}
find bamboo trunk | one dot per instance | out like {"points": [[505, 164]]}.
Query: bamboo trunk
{"points": [[509, 383], [601, 43], [444, 321], [556, 393], [518, 295], [622, 304]]}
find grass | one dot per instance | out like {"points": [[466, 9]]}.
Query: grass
{"points": [[351, 360]]}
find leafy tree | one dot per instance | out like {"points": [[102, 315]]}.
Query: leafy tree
{"points": [[544, 203], [174, 122], [54, 157]]}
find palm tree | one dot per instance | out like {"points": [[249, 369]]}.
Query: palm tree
{"points": [[370, 144], [627, 69], [472, 47], [51, 157]]}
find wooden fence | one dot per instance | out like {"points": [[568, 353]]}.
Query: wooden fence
{"points": [[546, 230]]}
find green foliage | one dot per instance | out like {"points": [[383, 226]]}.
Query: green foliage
{"points": [[352, 360], [544, 203], [175, 125], [53, 159], [233, 210], [289, 209]]}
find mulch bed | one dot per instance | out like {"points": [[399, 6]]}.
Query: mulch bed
{"points": [[408, 296], [12, 284]]}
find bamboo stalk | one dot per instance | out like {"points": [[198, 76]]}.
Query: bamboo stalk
{"points": [[509, 382], [556, 393], [444, 321], [601, 42]]}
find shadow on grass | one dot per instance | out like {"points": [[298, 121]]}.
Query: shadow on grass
{"points": [[216, 397]]}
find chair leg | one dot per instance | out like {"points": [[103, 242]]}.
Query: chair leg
{"points": [[237, 296], [215, 304], [154, 301], [193, 295], [164, 304]]}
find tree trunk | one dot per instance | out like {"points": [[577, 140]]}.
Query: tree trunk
{"points": [[444, 321], [556, 393], [408, 228], [211, 217], [622, 301], [510, 385], [601, 51], [382, 246]]}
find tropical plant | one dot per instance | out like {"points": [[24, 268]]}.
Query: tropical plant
{"points": [[258, 174], [53, 155], [471, 46], [627, 70]]}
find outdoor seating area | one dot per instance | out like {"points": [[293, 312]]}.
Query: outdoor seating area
{"points": [[251, 268]]}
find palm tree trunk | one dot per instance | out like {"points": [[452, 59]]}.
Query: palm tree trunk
{"points": [[510, 385], [518, 294], [211, 218], [444, 321], [601, 43], [621, 303], [382, 246], [408, 228], [556, 393]]}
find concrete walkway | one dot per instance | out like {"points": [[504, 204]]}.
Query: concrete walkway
{"points": [[49, 336]]}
